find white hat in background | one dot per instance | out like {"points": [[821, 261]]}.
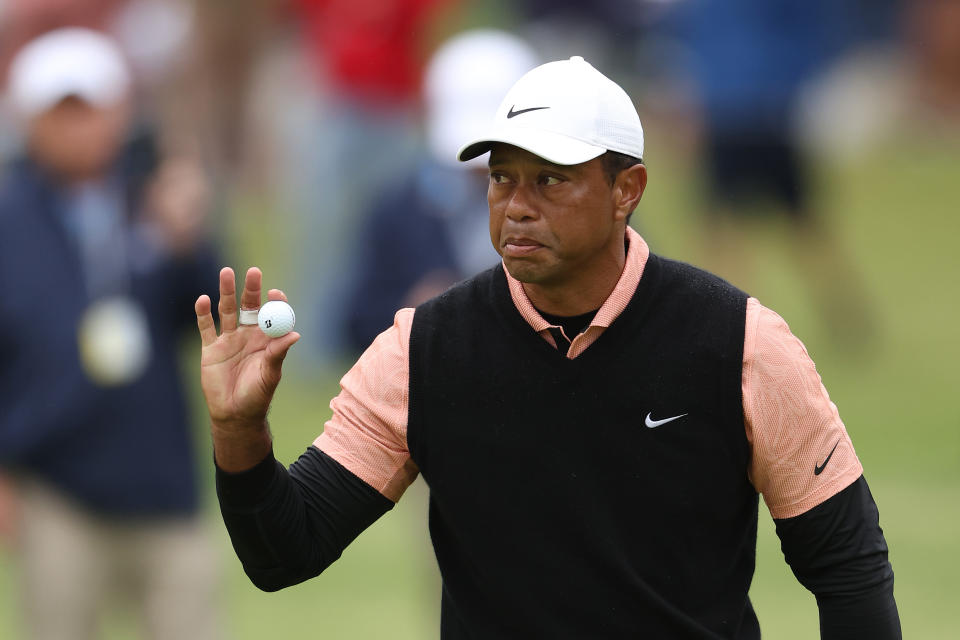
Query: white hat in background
{"points": [[464, 83], [67, 62], [566, 112]]}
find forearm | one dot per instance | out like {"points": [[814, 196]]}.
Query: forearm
{"points": [[838, 552], [288, 526], [872, 614]]}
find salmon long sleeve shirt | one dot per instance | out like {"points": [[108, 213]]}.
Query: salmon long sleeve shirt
{"points": [[802, 454]]}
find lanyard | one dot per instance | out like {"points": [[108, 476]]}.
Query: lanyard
{"points": [[96, 219]]}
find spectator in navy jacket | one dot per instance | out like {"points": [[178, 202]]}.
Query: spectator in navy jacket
{"points": [[98, 264]]}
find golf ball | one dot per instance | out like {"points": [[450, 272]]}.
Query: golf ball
{"points": [[276, 318]]}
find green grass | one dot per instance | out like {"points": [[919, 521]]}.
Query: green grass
{"points": [[898, 221]]}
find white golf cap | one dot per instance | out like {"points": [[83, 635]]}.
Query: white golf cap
{"points": [[566, 112], [67, 62], [464, 83]]}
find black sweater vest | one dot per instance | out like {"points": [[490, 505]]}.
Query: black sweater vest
{"points": [[555, 511]]}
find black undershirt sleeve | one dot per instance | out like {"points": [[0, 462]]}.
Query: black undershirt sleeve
{"points": [[287, 526], [838, 552]]}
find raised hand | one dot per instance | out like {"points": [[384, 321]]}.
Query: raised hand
{"points": [[239, 372]]}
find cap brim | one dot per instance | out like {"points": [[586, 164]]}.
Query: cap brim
{"points": [[553, 147], [44, 98]]}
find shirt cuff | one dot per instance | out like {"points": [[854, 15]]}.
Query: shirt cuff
{"points": [[247, 489]]}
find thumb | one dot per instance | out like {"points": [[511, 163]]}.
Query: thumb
{"points": [[277, 349]]}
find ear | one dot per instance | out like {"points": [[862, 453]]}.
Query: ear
{"points": [[628, 189]]}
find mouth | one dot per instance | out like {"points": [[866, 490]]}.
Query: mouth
{"points": [[518, 247]]}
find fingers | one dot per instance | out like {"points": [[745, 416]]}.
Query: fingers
{"points": [[208, 331], [250, 299], [228, 300], [251, 289]]}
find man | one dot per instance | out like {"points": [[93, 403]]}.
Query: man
{"points": [[100, 265], [752, 69], [427, 229], [594, 421]]}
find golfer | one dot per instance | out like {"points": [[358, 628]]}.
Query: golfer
{"points": [[594, 421]]}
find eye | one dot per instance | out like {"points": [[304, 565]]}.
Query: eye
{"points": [[497, 178], [550, 180]]}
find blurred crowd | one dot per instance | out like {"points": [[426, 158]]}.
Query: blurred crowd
{"points": [[135, 133]]}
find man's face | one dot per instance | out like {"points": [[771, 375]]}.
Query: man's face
{"points": [[552, 223], [76, 140]]}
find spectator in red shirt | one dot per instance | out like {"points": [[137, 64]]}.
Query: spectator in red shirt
{"points": [[367, 57]]}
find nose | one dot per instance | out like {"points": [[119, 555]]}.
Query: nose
{"points": [[520, 205]]}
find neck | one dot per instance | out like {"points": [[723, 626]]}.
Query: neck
{"points": [[583, 294]]}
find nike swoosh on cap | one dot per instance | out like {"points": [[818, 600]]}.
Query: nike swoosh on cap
{"points": [[818, 468], [651, 423], [513, 113]]}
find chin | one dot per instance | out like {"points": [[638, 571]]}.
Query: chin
{"points": [[524, 271]]}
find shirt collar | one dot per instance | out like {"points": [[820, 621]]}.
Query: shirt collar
{"points": [[637, 254]]}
